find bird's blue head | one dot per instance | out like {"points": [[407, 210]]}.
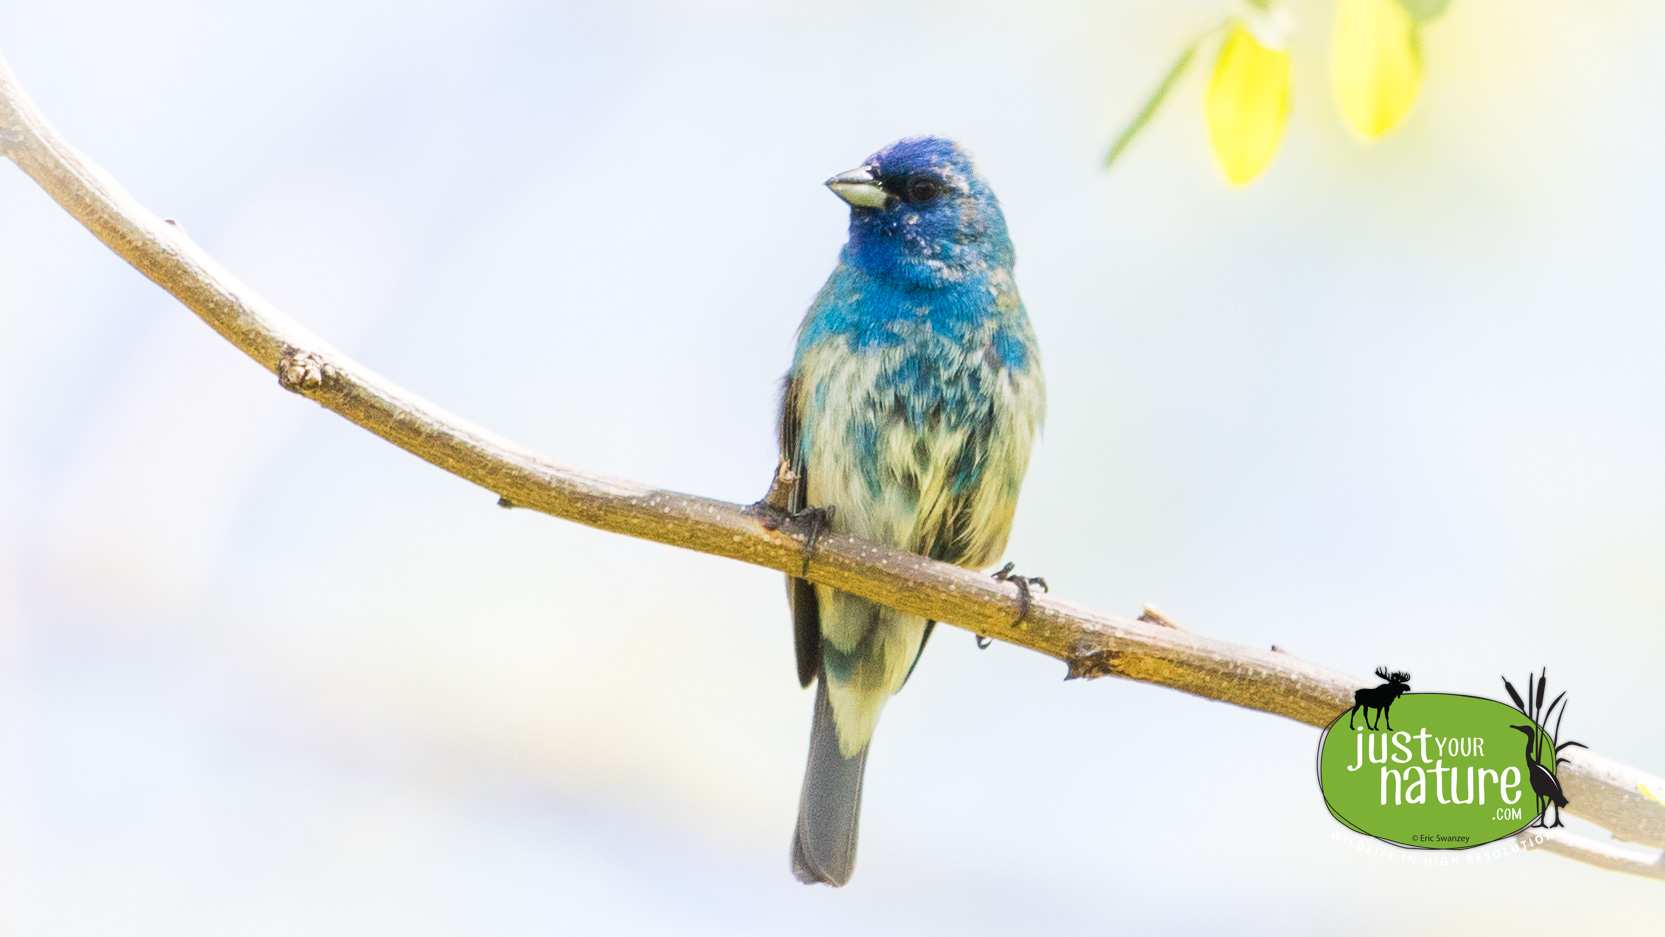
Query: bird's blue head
{"points": [[922, 217]]}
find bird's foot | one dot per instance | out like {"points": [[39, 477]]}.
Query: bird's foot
{"points": [[771, 511], [811, 521], [814, 521], [1023, 583], [983, 641]]}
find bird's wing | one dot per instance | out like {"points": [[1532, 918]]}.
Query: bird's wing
{"points": [[930, 626], [800, 593], [952, 531]]}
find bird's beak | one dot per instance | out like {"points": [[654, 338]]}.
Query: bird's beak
{"points": [[859, 187]]}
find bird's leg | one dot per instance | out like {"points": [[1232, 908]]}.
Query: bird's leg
{"points": [[1023, 583], [773, 514], [814, 520]]}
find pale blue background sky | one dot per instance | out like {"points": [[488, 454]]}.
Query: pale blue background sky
{"points": [[262, 673]]}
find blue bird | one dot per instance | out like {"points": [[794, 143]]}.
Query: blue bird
{"points": [[914, 397]]}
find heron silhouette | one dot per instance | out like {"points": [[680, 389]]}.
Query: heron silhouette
{"points": [[1544, 783]]}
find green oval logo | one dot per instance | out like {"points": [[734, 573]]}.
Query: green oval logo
{"points": [[1436, 770]]}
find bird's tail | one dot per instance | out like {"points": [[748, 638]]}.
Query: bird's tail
{"points": [[824, 846]]}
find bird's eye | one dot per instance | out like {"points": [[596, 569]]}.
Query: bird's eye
{"points": [[922, 189]]}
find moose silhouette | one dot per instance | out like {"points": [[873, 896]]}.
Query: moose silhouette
{"points": [[1380, 698]]}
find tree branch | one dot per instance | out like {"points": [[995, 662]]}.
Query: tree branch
{"points": [[1646, 863], [1090, 642]]}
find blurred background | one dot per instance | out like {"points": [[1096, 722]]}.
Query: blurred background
{"points": [[261, 672]]}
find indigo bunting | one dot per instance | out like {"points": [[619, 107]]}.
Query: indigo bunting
{"points": [[907, 417]]}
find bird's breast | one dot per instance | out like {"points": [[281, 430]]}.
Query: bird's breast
{"points": [[921, 441]]}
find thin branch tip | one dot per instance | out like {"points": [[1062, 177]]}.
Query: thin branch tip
{"points": [[779, 496]]}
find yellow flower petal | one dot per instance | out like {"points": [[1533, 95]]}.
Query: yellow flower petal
{"points": [[1378, 64], [1247, 105]]}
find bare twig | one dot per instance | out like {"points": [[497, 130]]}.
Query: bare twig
{"points": [[1157, 616], [1091, 643]]}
